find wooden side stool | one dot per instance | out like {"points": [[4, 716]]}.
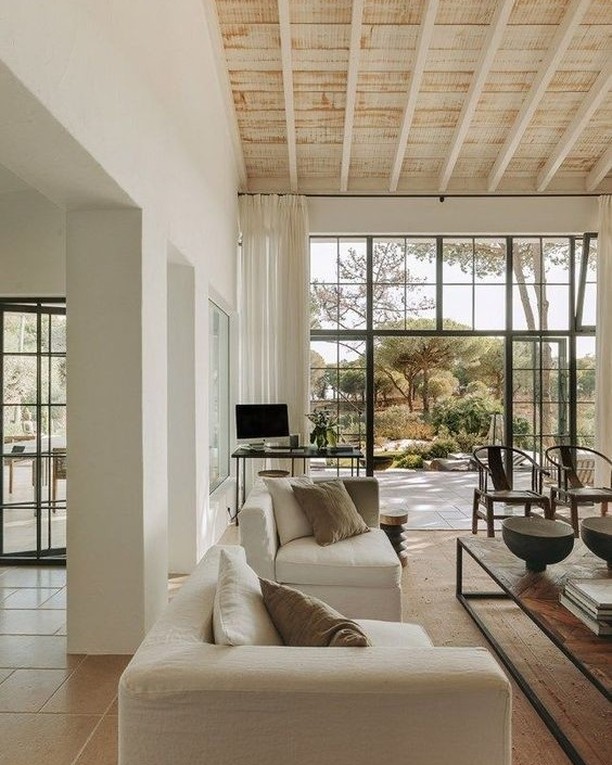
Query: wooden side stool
{"points": [[392, 523]]}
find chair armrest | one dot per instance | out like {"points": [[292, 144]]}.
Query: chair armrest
{"points": [[258, 534], [302, 705], [365, 494]]}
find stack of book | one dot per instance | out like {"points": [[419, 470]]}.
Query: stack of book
{"points": [[591, 601]]}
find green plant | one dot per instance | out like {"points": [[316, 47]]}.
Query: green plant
{"points": [[440, 448], [471, 414], [396, 422], [324, 431], [409, 462]]}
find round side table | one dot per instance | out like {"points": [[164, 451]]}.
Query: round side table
{"points": [[273, 473], [392, 523]]}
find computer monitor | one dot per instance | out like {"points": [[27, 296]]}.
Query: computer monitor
{"points": [[261, 421]]}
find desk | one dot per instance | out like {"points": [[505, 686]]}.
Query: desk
{"points": [[299, 453]]}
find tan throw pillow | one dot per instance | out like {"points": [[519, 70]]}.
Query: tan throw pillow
{"points": [[239, 614], [302, 620], [291, 523], [331, 511]]}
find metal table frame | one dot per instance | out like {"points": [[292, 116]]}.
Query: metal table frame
{"points": [[465, 597], [300, 453]]}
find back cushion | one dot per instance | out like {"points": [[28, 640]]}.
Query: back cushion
{"points": [[291, 522], [239, 614]]}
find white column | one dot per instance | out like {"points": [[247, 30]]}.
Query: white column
{"points": [[116, 538], [182, 495]]}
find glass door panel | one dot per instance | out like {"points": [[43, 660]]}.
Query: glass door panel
{"points": [[540, 393], [33, 431]]}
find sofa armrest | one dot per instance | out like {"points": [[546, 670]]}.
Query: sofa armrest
{"points": [[302, 705], [365, 495], [258, 534]]}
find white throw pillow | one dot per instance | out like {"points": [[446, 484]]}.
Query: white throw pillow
{"points": [[291, 521], [239, 614]]}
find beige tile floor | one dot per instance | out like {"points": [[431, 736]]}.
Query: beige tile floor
{"points": [[54, 708]]}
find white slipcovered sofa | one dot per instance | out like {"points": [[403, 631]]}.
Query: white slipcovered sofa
{"points": [[360, 577], [184, 700]]}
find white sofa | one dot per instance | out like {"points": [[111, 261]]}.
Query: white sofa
{"points": [[360, 577], [184, 700]]}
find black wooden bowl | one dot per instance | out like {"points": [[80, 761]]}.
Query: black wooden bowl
{"points": [[538, 541], [596, 533]]}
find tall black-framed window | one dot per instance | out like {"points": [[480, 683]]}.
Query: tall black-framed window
{"points": [[404, 327], [33, 430], [218, 395]]}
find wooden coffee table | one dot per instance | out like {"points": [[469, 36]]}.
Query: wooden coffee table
{"points": [[537, 594]]}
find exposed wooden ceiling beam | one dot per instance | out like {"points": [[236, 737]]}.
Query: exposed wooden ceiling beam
{"points": [[599, 172], [351, 91], [423, 42], [216, 41], [285, 38], [489, 49], [558, 47], [591, 103]]}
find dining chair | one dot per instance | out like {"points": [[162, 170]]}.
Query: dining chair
{"points": [[495, 484], [58, 455], [574, 466]]}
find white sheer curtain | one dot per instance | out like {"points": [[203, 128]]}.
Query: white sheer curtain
{"points": [[274, 304], [603, 400]]}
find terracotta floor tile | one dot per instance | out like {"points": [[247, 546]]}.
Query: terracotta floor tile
{"points": [[4, 673], [50, 739], [30, 622], [26, 690], [28, 597], [36, 651], [91, 688], [101, 749], [114, 709], [57, 601]]}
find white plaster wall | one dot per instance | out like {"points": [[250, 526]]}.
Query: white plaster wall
{"points": [[32, 246], [456, 215], [119, 102], [134, 83]]}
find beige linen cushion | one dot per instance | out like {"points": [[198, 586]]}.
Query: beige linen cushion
{"points": [[331, 511], [239, 614], [303, 620], [291, 523]]}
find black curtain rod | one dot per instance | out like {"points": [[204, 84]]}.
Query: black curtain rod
{"points": [[442, 197]]}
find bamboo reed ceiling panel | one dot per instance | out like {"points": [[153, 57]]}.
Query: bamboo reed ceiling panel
{"points": [[338, 102]]}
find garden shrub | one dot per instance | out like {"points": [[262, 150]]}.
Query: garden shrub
{"points": [[471, 414], [409, 462], [398, 422], [440, 448]]}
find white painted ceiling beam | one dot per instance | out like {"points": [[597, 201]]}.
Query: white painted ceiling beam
{"points": [[351, 91], [216, 41], [591, 103], [423, 42], [489, 49], [285, 38], [559, 45], [599, 172]]}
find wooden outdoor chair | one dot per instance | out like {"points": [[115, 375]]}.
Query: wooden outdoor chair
{"points": [[573, 478], [58, 472], [494, 485]]}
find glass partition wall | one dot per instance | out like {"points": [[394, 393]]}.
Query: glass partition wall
{"points": [[33, 431], [427, 345]]}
